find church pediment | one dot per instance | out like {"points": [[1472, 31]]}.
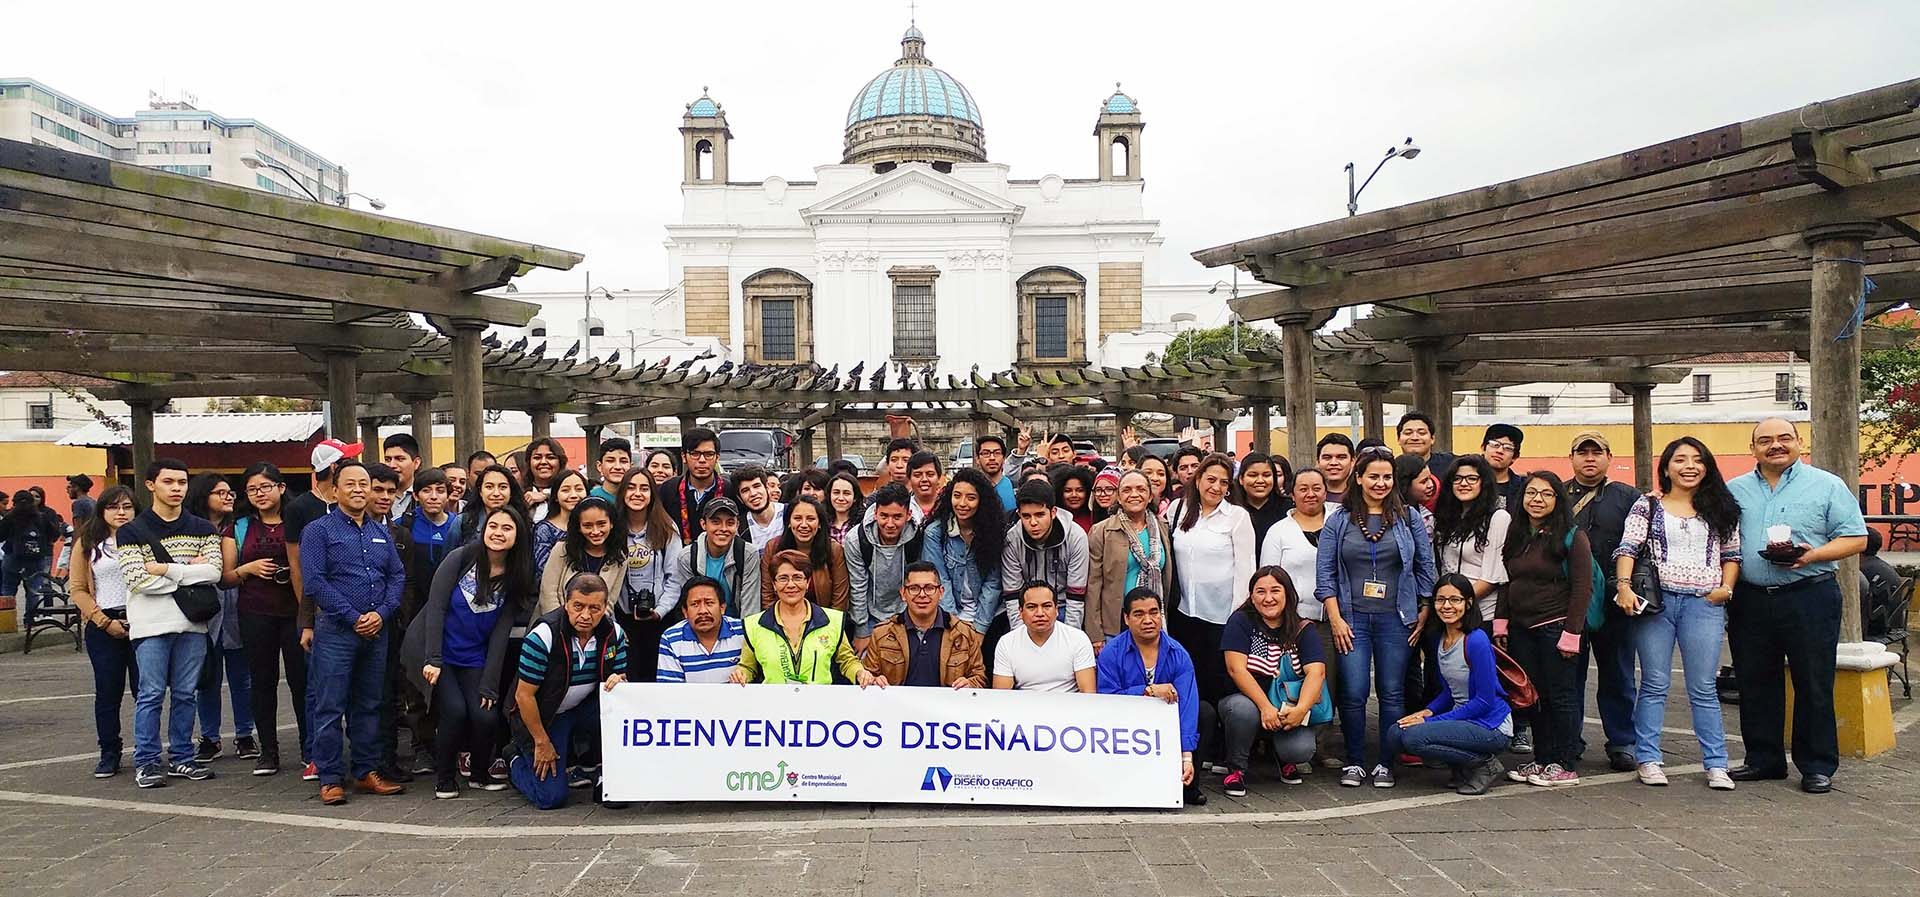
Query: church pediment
{"points": [[910, 193]]}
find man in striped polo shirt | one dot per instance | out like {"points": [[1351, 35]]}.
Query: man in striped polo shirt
{"points": [[706, 645], [567, 657]]}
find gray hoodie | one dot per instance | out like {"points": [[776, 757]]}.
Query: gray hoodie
{"points": [[1060, 560], [876, 589], [742, 578]]}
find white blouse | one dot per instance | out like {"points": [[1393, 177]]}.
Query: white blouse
{"points": [[1214, 559], [1486, 564], [1286, 547], [109, 584]]}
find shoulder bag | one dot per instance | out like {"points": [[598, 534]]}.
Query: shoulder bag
{"points": [[1520, 691], [1646, 570], [1286, 689], [200, 602]]}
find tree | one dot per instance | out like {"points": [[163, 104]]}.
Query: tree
{"points": [[269, 405], [1217, 342], [1890, 400]]}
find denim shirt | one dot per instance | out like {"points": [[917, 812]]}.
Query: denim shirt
{"points": [[968, 594], [1416, 562], [1817, 504], [349, 569]]}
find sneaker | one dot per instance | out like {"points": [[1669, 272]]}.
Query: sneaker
{"points": [[208, 751], [1411, 762], [423, 763], [1554, 775], [153, 775], [446, 787], [246, 748], [1524, 773], [582, 777], [499, 768], [1193, 796], [1523, 741], [1481, 777], [1352, 777], [1719, 780], [1235, 784], [193, 772], [398, 772], [109, 765], [1652, 774], [485, 782], [1621, 761], [1382, 776], [466, 765], [1292, 773], [310, 773], [268, 763]]}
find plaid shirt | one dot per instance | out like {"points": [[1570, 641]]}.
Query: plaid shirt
{"points": [[347, 569]]}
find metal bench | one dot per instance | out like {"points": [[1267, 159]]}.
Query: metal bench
{"points": [[1895, 634], [48, 607]]}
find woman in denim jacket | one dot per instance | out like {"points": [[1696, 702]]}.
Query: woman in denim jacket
{"points": [[964, 541]]}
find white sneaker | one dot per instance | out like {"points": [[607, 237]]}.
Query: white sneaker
{"points": [[1718, 780], [1652, 774]]}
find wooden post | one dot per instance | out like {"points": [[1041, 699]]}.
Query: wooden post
{"points": [[1835, 369], [1220, 437], [420, 416], [593, 450], [1373, 411], [833, 439], [542, 417], [1122, 419], [1642, 396], [370, 438], [1296, 362], [142, 447], [469, 413], [982, 426], [1442, 411], [688, 422], [1263, 427], [342, 372], [1426, 377]]}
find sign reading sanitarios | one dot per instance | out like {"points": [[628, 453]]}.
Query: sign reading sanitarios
{"points": [[893, 745]]}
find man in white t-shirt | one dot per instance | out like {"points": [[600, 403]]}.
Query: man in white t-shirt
{"points": [[1040, 656]]}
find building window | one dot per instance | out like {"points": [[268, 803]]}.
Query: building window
{"points": [[39, 416], [1540, 404], [914, 334], [776, 330], [1783, 388], [777, 318], [1616, 395], [1052, 317], [1703, 387], [1485, 400]]}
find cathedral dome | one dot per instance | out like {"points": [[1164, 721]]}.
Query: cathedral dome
{"points": [[914, 112]]}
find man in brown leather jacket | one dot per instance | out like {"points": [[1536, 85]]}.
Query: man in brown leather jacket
{"points": [[926, 645]]}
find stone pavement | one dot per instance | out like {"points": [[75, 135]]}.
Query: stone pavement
{"points": [[63, 833]]}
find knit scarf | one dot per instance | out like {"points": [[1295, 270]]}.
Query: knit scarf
{"points": [[1145, 558]]}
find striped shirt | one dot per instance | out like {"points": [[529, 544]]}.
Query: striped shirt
{"points": [[684, 659], [585, 677]]}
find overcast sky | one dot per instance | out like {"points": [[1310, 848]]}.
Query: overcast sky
{"points": [[556, 122]]}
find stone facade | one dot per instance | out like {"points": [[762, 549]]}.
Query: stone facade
{"points": [[708, 303], [1120, 304]]}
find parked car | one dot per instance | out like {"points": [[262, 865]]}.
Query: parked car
{"points": [[772, 449], [962, 454], [858, 461], [1161, 447]]}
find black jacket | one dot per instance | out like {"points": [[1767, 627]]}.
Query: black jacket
{"points": [[553, 689], [688, 519], [1604, 519]]}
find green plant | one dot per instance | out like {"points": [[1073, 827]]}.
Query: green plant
{"points": [[1217, 342]]}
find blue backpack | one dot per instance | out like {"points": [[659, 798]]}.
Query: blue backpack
{"points": [[1597, 602]]}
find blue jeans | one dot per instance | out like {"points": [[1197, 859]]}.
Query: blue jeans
{"points": [[16, 577], [580, 725], [239, 687], [1698, 627], [1455, 742], [1379, 656], [1613, 650], [114, 674], [167, 663], [346, 683]]}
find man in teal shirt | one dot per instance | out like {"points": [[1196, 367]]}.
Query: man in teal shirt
{"points": [[1796, 523], [719, 552]]}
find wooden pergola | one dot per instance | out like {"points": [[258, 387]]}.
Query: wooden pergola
{"points": [[177, 285], [1759, 234]]}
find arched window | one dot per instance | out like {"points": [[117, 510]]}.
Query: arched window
{"points": [[1052, 311], [779, 317], [1121, 154], [703, 160]]}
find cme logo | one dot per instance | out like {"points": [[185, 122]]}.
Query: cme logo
{"points": [[764, 779], [938, 778]]}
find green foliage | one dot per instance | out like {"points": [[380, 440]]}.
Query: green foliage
{"points": [[269, 405], [1217, 342], [1890, 402]]}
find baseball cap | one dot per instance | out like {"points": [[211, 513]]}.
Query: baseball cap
{"points": [[328, 452], [1585, 436], [719, 504]]}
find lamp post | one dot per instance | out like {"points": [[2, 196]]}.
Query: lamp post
{"points": [[255, 162], [1405, 151], [1233, 314]]}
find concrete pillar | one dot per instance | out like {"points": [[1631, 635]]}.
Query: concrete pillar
{"points": [[1641, 395], [1263, 427], [1220, 443], [806, 449], [342, 374], [1296, 360], [469, 410], [1373, 410], [542, 418], [834, 447], [370, 438], [143, 446], [420, 415], [1835, 369]]}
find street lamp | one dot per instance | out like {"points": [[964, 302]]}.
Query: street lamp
{"points": [[1233, 319], [1405, 151], [255, 162]]}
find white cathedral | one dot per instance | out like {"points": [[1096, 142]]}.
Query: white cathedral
{"points": [[915, 248]]}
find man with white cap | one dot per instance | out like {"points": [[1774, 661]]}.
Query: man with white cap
{"points": [[304, 509], [1600, 508]]}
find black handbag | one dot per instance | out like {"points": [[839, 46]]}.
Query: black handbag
{"points": [[200, 602], [1646, 570]]}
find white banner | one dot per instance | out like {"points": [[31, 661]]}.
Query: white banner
{"points": [[893, 745]]}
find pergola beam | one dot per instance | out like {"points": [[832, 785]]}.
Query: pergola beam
{"points": [[19, 309]]}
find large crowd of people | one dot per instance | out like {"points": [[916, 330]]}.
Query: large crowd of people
{"points": [[458, 623]]}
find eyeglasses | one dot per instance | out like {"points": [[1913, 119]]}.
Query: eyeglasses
{"points": [[1105, 489], [988, 453], [697, 454], [790, 578], [262, 489], [1449, 600], [1503, 445], [1539, 493], [921, 589], [1468, 479]]}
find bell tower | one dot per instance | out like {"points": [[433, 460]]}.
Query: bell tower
{"points": [[1117, 131], [704, 134]]}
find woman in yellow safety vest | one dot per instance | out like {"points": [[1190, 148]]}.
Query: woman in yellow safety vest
{"points": [[796, 640]]}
